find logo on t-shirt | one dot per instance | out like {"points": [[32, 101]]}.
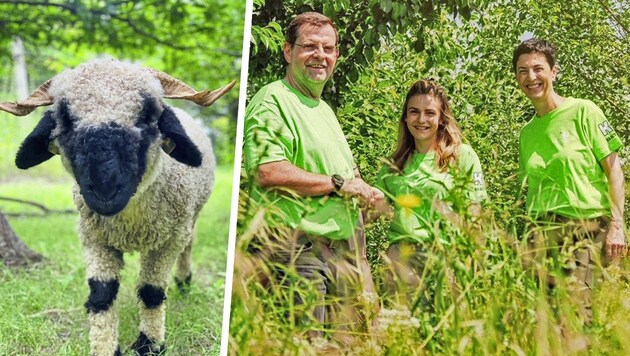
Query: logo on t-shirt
{"points": [[478, 178], [564, 137], [605, 128]]}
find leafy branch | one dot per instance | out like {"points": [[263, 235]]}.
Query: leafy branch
{"points": [[91, 15]]}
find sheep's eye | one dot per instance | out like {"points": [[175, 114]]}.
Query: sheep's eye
{"points": [[149, 112], [65, 117]]}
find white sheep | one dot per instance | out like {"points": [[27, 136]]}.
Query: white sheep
{"points": [[143, 171]]}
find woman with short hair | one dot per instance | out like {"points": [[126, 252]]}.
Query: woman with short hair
{"points": [[569, 162]]}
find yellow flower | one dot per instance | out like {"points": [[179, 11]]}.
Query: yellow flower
{"points": [[408, 202], [406, 252]]}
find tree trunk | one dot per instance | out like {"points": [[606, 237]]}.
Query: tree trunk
{"points": [[19, 64], [13, 252]]}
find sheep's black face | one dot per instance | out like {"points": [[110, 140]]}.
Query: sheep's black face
{"points": [[108, 161]]}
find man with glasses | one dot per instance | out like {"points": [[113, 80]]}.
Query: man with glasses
{"points": [[302, 173]]}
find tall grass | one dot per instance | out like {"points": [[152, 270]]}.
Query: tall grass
{"points": [[475, 298]]}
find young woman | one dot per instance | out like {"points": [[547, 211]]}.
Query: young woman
{"points": [[429, 156], [568, 160]]}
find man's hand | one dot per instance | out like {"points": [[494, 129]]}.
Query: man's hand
{"points": [[356, 187], [377, 195], [615, 240], [379, 205]]}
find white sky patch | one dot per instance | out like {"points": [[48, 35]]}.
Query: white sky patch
{"points": [[525, 36]]}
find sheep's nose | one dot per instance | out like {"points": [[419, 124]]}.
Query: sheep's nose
{"points": [[105, 192], [104, 182]]}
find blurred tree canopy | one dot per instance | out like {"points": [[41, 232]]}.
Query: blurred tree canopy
{"points": [[362, 27], [467, 47], [197, 41]]}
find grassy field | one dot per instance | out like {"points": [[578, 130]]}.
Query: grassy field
{"points": [[475, 298], [42, 313]]}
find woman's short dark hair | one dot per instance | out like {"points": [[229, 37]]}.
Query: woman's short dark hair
{"points": [[535, 45], [308, 18]]}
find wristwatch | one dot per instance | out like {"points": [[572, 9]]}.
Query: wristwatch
{"points": [[337, 182]]}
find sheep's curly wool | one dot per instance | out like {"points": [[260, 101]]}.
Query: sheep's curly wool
{"points": [[159, 218], [105, 90]]}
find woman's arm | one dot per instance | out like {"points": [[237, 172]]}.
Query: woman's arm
{"points": [[615, 239]]}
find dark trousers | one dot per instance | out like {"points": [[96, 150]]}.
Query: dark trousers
{"points": [[339, 272], [406, 276], [571, 250]]}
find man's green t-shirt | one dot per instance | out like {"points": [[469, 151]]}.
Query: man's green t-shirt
{"points": [[282, 124], [559, 160], [414, 191]]}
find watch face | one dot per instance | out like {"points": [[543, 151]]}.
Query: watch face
{"points": [[337, 181]]}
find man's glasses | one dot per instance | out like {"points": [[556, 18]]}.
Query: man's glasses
{"points": [[312, 48]]}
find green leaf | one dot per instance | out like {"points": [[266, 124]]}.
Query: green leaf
{"points": [[386, 5]]}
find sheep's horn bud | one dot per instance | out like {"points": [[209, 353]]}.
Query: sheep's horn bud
{"points": [[38, 98], [176, 89]]}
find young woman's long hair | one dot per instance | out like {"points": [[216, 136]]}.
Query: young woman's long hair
{"points": [[449, 136]]}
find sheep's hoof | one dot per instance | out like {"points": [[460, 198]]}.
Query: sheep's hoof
{"points": [[145, 346], [118, 352], [184, 286]]}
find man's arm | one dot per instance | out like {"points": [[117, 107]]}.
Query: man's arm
{"points": [[282, 174], [615, 240]]}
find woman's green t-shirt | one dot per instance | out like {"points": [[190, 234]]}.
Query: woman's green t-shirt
{"points": [[414, 192]]}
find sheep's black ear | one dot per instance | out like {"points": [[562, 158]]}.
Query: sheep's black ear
{"points": [[34, 149], [185, 150]]}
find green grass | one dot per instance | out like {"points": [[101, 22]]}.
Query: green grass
{"points": [[42, 311], [478, 300], [12, 131]]}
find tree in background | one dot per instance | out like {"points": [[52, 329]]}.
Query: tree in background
{"points": [[363, 25], [13, 252], [183, 39]]}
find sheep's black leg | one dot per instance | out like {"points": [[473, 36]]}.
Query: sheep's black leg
{"points": [[103, 267], [155, 273], [102, 295], [145, 346], [183, 272], [152, 299], [183, 285]]}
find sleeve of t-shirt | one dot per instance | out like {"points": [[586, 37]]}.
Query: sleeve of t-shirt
{"points": [[599, 132], [267, 138], [469, 162]]}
